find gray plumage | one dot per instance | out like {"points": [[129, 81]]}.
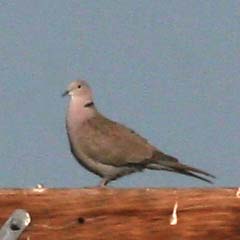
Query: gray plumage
{"points": [[109, 149]]}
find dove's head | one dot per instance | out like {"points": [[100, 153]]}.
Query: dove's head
{"points": [[81, 102], [78, 88]]}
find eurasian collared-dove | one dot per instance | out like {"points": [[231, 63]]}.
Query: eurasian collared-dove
{"points": [[109, 149]]}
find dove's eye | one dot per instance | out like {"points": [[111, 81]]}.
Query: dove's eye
{"points": [[79, 86]]}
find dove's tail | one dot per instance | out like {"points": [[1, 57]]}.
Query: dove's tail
{"points": [[171, 164]]}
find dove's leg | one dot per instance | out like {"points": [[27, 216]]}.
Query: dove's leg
{"points": [[104, 182], [112, 173]]}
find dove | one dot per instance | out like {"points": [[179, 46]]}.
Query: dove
{"points": [[110, 149]]}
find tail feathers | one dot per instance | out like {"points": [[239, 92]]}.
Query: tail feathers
{"points": [[181, 166], [177, 167]]}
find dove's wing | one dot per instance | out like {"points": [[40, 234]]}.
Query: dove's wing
{"points": [[112, 143]]}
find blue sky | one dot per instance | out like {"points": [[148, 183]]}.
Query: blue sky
{"points": [[168, 69]]}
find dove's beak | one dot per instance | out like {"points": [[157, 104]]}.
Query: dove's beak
{"points": [[65, 93]]}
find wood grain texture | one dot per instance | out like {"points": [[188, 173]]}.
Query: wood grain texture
{"points": [[126, 213]]}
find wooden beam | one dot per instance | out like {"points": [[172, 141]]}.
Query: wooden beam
{"points": [[126, 213]]}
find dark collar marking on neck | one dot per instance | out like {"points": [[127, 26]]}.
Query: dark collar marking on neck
{"points": [[89, 104]]}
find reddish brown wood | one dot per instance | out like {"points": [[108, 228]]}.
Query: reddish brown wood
{"points": [[126, 213]]}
